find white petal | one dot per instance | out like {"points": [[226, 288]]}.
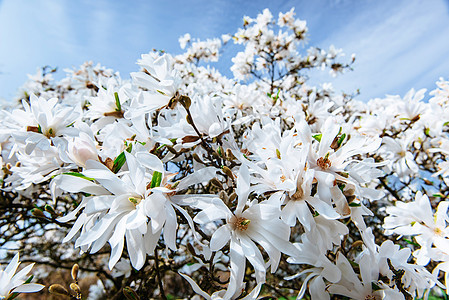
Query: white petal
{"points": [[73, 184], [195, 287], [220, 238], [150, 161], [170, 227], [202, 175], [28, 288], [322, 208]]}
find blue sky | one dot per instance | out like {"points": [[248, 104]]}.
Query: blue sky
{"points": [[399, 44]]}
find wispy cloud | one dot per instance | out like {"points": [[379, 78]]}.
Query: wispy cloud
{"points": [[399, 44]]}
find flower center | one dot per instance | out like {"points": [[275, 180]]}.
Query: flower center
{"points": [[239, 223], [135, 200], [50, 133], [324, 162], [298, 195]]}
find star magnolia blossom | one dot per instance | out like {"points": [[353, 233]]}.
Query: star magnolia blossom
{"points": [[12, 282], [135, 206], [259, 223]]}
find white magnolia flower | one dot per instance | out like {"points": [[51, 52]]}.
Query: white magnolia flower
{"points": [[12, 282], [258, 223], [44, 122], [138, 206], [159, 79], [322, 267]]}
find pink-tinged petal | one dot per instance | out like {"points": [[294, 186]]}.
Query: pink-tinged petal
{"points": [[202, 175], [150, 161], [323, 208], [28, 288], [195, 287], [220, 238]]}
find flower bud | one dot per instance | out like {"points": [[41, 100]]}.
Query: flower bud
{"points": [[76, 288], [57, 289], [75, 270], [216, 182], [130, 293], [38, 213], [228, 172]]}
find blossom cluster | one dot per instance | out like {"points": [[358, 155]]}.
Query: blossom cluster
{"points": [[249, 186]]}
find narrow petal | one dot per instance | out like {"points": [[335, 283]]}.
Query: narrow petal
{"points": [[28, 288], [220, 238]]}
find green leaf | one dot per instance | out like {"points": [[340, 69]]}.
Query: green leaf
{"points": [[317, 137], [117, 102], [119, 161], [156, 179], [411, 242], [355, 204], [78, 175]]}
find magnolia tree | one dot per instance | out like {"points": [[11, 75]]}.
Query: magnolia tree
{"points": [[182, 183]]}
